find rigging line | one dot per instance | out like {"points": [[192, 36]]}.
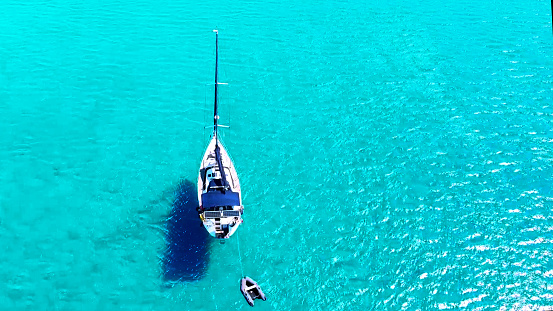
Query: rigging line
{"points": [[205, 109], [229, 119], [205, 103]]}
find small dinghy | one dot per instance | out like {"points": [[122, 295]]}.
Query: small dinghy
{"points": [[251, 290]]}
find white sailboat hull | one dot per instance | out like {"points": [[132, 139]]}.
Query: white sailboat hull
{"points": [[223, 219]]}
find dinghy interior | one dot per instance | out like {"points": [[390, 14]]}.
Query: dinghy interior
{"points": [[251, 290]]}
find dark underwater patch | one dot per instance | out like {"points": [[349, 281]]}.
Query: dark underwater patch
{"points": [[186, 257]]}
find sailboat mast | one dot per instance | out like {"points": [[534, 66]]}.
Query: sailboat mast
{"points": [[215, 115]]}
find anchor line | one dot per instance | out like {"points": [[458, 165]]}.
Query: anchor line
{"points": [[240, 255]]}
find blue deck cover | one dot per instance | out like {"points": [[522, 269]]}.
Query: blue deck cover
{"points": [[216, 198]]}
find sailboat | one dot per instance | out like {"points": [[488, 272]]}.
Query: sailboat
{"points": [[219, 192]]}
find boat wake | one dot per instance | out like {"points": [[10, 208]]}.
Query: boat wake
{"points": [[186, 257]]}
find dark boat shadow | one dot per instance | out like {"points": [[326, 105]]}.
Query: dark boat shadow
{"points": [[187, 255]]}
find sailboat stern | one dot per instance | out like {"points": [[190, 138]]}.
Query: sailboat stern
{"points": [[222, 224]]}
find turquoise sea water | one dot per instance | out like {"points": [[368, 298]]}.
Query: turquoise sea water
{"points": [[393, 155]]}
